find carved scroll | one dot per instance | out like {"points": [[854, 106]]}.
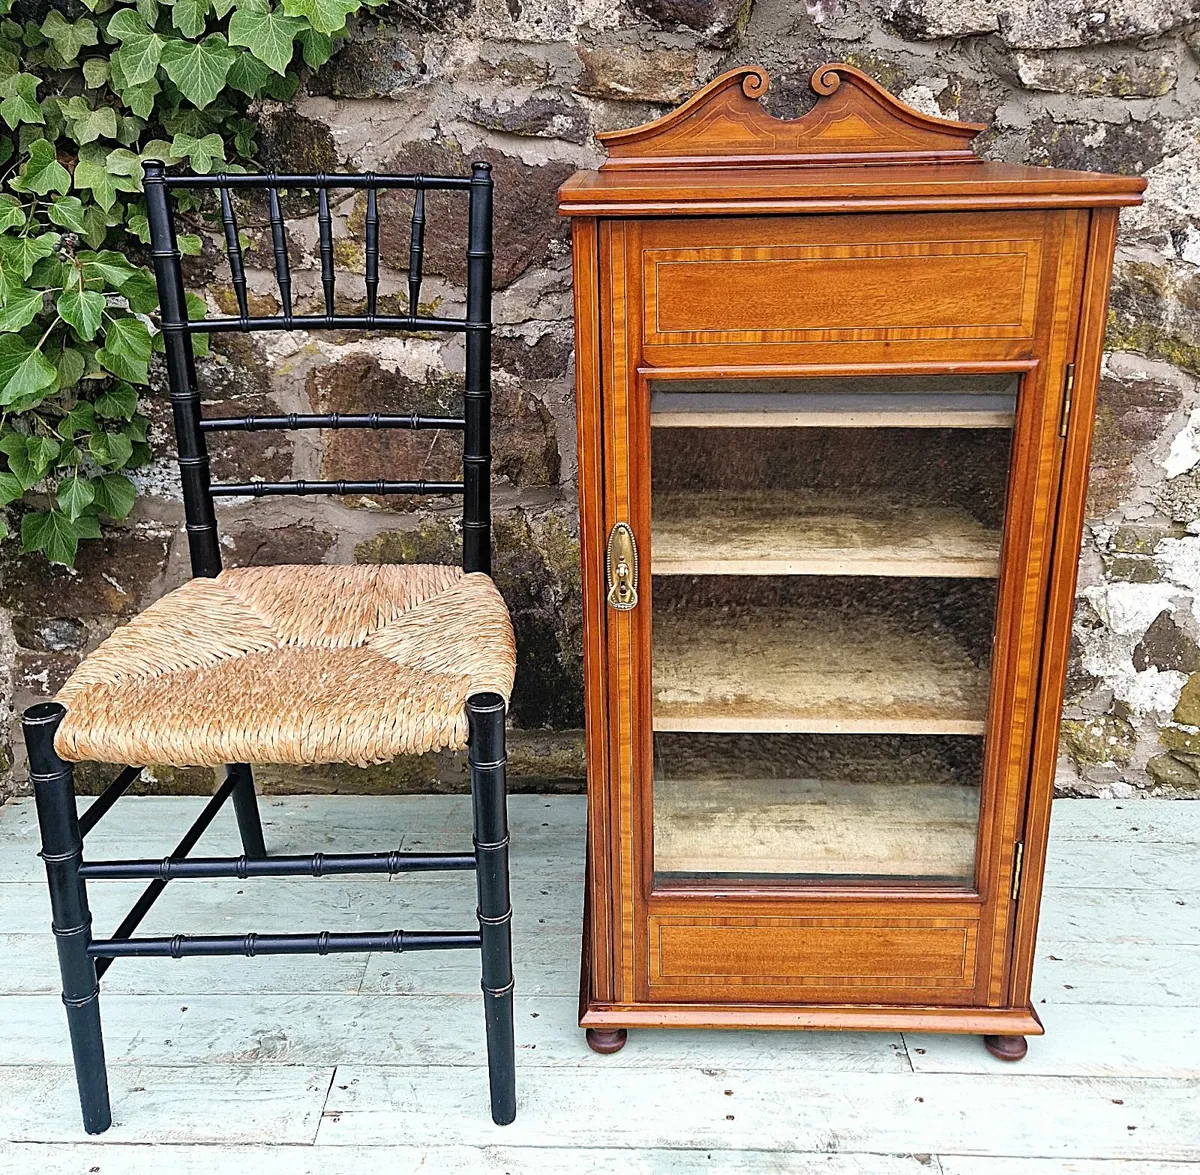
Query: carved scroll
{"points": [[854, 121]]}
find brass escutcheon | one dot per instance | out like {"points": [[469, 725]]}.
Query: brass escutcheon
{"points": [[622, 563]]}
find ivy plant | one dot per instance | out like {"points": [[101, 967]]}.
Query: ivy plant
{"points": [[85, 99]]}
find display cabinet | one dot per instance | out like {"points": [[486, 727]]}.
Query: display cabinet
{"points": [[835, 384]]}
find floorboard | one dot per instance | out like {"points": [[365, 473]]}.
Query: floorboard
{"points": [[333, 1066]]}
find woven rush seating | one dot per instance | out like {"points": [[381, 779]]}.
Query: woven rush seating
{"points": [[293, 664]]}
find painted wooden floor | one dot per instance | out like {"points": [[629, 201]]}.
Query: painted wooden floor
{"points": [[359, 1064]]}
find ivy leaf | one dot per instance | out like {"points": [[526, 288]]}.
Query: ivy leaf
{"points": [[10, 489], [248, 75], [223, 7], [15, 446], [141, 49], [95, 72], [74, 496], [317, 48], [81, 418], [12, 213], [141, 293], [110, 449], [139, 224], [67, 212], [188, 17], [126, 350], [20, 104], [114, 495], [83, 310], [18, 255], [42, 172], [20, 308], [68, 38], [117, 402], [326, 16], [199, 68], [57, 535], [197, 309], [71, 367], [25, 373], [202, 152], [140, 98], [96, 225], [28, 456], [105, 173], [268, 34], [88, 125], [107, 268]]}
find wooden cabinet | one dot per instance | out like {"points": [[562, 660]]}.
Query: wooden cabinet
{"points": [[836, 379]]}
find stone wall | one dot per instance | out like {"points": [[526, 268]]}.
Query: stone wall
{"points": [[432, 84]]}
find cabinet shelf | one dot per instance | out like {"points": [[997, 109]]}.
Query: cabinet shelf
{"points": [[817, 532], [817, 827], [899, 402], [812, 668]]}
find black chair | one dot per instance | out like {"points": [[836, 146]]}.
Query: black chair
{"points": [[292, 664]]}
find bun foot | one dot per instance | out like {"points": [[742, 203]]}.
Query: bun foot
{"points": [[1006, 1048], [606, 1040]]}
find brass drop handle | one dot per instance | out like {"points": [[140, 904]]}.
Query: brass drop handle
{"points": [[622, 564]]}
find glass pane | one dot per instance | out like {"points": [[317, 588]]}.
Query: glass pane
{"points": [[824, 556]]}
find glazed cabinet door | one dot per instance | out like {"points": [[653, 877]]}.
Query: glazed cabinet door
{"points": [[831, 456]]}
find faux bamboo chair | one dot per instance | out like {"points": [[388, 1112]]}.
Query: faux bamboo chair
{"points": [[292, 664]]}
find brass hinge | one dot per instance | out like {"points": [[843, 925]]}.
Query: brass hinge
{"points": [[1068, 388], [1018, 858]]}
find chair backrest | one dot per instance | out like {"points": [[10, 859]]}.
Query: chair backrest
{"points": [[190, 427]]}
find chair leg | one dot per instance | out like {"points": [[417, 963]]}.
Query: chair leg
{"points": [[486, 756], [245, 807], [62, 851]]}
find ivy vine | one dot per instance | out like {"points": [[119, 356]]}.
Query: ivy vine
{"points": [[85, 98]]}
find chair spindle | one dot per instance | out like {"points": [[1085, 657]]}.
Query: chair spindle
{"points": [[372, 274], [416, 250], [325, 225], [233, 250], [283, 274]]}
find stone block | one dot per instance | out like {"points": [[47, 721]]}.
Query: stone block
{"points": [[932, 20], [1168, 771], [1135, 75], [527, 223], [1100, 740], [548, 358], [524, 445], [1154, 308], [115, 575], [252, 543], [720, 23], [1166, 646], [633, 73], [1131, 415], [542, 116], [1034, 24], [1129, 148], [376, 63]]}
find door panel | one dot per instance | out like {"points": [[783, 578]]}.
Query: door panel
{"points": [[821, 701]]}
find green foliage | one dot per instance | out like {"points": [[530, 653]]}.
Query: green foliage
{"points": [[84, 103]]}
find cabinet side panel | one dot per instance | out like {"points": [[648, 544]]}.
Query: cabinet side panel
{"points": [[597, 974], [1087, 356], [1019, 631]]}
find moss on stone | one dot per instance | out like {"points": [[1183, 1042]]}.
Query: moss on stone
{"points": [[1187, 709], [1168, 771], [1104, 739], [1128, 334]]}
